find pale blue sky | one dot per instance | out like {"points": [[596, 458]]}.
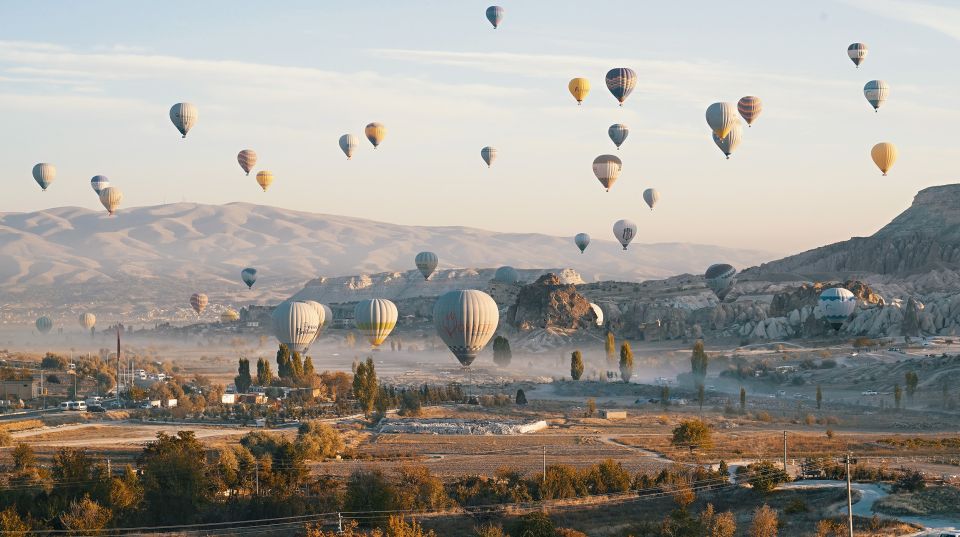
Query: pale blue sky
{"points": [[87, 86]]}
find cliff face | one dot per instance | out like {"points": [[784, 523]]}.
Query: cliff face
{"points": [[550, 303], [925, 237]]}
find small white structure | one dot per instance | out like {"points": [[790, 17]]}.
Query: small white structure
{"points": [[613, 414]]}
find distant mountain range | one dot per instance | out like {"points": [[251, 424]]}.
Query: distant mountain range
{"points": [[146, 261]]}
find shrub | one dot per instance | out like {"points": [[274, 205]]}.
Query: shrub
{"points": [[693, 433]]}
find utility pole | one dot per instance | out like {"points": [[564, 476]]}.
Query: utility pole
{"points": [[544, 465], [109, 468], [118, 365], [849, 497], [256, 478], [784, 451]]}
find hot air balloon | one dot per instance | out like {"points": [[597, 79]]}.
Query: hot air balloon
{"points": [[295, 324], [884, 155], [750, 108], [321, 315], [618, 132], [489, 155], [375, 132], [111, 197], [582, 240], [99, 182], [506, 274], [495, 16], [731, 141], [876, 92], [327, 316], [87, 321], [651, 196], [721, 117], [720, 279], [579, 88], [427, 263], [349, 144], [264, 179], [199, 301], [247, 159], [44, 174], [836, 304], [607, 169], [624, 231], [376, 318], [184, 117], [249, 276], [44, 324], [229, 316], [620, 82], [465, 321], [857, 53], [598, 313]]}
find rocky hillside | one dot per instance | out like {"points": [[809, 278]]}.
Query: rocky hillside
{"points": [[550, 302]]}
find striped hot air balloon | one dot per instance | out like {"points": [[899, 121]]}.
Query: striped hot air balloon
{"points": [[249, 276], [295, 324], [264, 179], [651, 197], [620, 82], [582, 240], [720, 278], [375, 132], [857, 52], [375, 318], [199, 301], [624, 230], [349, 144], [488, 154], [607, 169], [884, 155], [618, 134], [579, 88], [247, 159], [721, 117], [495, 16], [750, 108], [876, 92], [598, 313], [87, 320], [729, 143], [99, 182], [44, 174], [184, 117], [506, 274], [44, 324], [110, 198], [465, 321], [321, 315], [836, 304], [426, 263]]}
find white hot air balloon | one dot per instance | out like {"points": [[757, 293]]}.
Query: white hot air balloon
{"points": [[426, 263], [836, 304], [375, 318], [295, 324], [87, 320], [729, 143], [111, 197], [721, 117], [607, 169], [582, 240], [184, 117], [349, 144], [598, 312], [876, 93], [651, 197], [44, 174], [327, 316], [321, 313], [624, 231], [465, 321]]}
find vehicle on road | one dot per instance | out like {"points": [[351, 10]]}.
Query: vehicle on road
{"points": [[869, 392]]}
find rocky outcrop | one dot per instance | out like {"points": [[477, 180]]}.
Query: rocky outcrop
{"points": [[550, 303]]}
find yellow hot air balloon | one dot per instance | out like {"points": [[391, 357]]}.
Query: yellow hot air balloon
{"points": [[265, 179], [884, 155], [375, 132], [579, 88]]}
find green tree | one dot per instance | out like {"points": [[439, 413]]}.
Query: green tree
{"points": [[419, 490], [743, 400], [264, 373], [626, 362], [501, 351], [911, 380], [176, 484], [284, 370], [23, 457], [610, 346], [576, 365], [664, 396], [243, 380], [368, 490], [296, 366], [897, 395], [694, 434], [365, 385], [819, 397], [521, 397], [308, 371], [317, 440], [535, 524], [764, 476], [698, 363]]}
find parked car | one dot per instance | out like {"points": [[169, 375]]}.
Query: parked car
{"points": [[96, 409]]}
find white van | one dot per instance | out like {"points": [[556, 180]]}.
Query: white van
{"points": [[65, 405], [77, 405]]}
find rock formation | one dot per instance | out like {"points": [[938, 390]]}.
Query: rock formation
{"points": [[550, 303]]}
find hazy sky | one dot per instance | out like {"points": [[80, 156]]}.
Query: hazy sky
{"points": [[87, 86]]}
